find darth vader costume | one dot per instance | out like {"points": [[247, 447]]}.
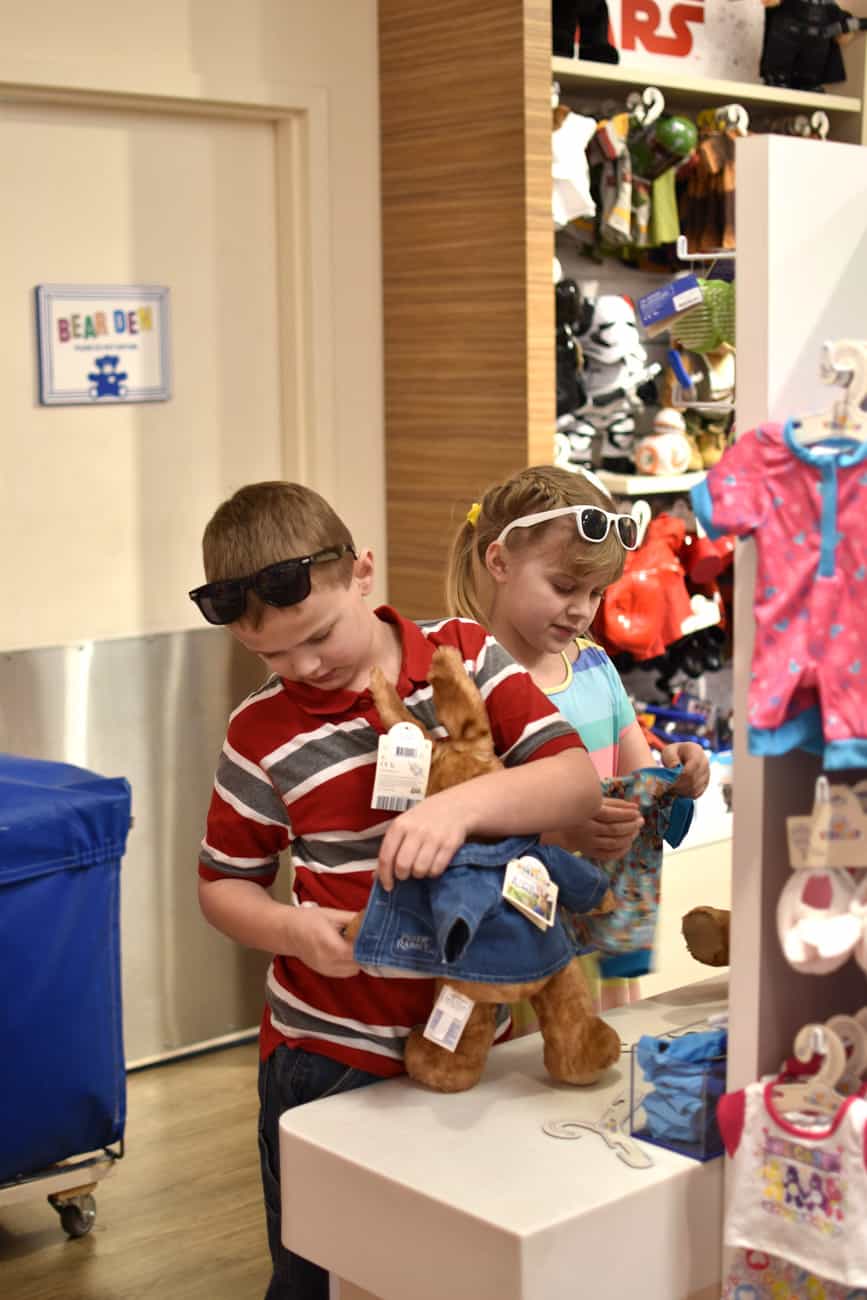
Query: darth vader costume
{"points": [[800, 47]]}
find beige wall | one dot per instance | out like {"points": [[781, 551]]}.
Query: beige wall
{"points": [[215, 55]]}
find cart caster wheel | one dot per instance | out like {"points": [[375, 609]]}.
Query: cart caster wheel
{"points": [[77, 1217]]}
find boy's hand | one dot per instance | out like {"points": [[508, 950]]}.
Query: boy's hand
{"points": [[607, 836], [315, 936], [694, 778], [422, 841]]}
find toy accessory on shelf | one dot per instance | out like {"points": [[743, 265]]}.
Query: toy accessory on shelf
{"points": [[709, 324], [821, 912], [796, 1181], [658, 146], [591, 16], [801, 47], [570, 171], [853, 1035], [487, 941], [706, 932], [676, 1084], [618, 377], [816, 929], [576, 442], [572, 314], [649, 613], [667, 450], [805, 507], [577, 445]]}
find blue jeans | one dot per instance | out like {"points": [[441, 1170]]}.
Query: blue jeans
{"points": [[289, 1078]]}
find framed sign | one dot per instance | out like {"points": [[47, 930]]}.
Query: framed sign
{"points": [[719, 39], [101, 344]]}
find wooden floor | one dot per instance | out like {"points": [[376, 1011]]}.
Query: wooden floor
{"points": [[179, 1218]]}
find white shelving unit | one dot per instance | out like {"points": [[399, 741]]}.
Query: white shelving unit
{"points": [[642, 485], [803, 269], [608, 79]]}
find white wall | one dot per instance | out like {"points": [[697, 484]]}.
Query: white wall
{"points": [[242, 53], [802, 278]]}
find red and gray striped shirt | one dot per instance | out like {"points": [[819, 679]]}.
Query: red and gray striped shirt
{"points": [[296, 773]]}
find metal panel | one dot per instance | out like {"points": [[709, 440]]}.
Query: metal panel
{"points": [[152, 709]]}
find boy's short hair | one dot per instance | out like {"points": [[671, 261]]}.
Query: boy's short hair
{"points": [[264, 523]]}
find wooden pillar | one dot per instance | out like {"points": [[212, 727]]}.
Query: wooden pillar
{"points": [[467, 250]]}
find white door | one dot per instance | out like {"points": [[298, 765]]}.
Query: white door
{"points": [[102, 509]]}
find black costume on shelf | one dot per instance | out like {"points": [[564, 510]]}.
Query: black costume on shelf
{"points": [[592, 17], [800, 47]]}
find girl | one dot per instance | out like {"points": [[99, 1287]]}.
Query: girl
{"points": [[531, 563]]}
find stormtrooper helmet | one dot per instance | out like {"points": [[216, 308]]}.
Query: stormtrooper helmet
{"points": [[611, 334]]}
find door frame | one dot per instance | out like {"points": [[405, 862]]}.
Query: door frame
{"points": [[298, 117]]}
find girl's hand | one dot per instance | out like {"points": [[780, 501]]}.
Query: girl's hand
{"points": [[608, 835], [694, 778], [422, 841], [315, 936]]}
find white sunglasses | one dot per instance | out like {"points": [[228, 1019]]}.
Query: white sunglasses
{"points": [[592, 522]]}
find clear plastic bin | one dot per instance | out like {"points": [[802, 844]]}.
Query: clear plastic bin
{"points": [[673, 1103]]}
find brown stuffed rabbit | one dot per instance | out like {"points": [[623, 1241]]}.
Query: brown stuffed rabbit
{"points": [[579, 1046]]}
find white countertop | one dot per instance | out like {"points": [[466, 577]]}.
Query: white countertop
{"points": [[418, 1196]]}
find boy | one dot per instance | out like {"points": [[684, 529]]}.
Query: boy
{"points": [[297, 772]]}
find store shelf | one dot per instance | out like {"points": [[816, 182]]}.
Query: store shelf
{"points": [[575, 74], [642, 485]]}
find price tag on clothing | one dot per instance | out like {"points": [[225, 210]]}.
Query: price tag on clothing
{"points": [[448, 1019], [529, 888], [402, 766]]}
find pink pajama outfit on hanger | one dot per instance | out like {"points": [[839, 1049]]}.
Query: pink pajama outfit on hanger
{"points": [[806, 506]]}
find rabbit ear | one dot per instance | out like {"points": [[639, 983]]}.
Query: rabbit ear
{"points": [[458, 701], [389, 705]]}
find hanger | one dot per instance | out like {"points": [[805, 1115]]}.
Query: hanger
{"points": [[718, 255], [732, 117], [853, 1036], [817, 1092], [647, 106], [844, 363], [642, 514]]}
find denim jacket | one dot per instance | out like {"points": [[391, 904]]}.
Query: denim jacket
{"points": [[459, 926]]}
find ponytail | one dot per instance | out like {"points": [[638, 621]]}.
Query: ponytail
{"points": [[462, 586]]}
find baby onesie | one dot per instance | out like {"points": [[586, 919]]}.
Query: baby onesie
{"points": [[805, 505], [798, 1200]]}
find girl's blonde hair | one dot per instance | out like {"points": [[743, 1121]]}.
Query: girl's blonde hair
{"points": [[542, 487]]}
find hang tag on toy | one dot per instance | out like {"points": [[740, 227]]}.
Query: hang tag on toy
{"points": [[529, 888], [835, 832], [402, 766], [450, 1014]]}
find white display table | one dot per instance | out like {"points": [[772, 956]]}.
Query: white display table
{"points": [[411, 1195]]}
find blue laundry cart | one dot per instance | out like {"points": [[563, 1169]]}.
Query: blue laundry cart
{"points": [[62, 1080]]}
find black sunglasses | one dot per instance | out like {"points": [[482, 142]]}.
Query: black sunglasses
{"points": [[285, 583]]}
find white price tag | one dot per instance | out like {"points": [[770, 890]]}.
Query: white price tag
{"points": [[402, 766], [450, 1014], [688, 298], [528, 887]]}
